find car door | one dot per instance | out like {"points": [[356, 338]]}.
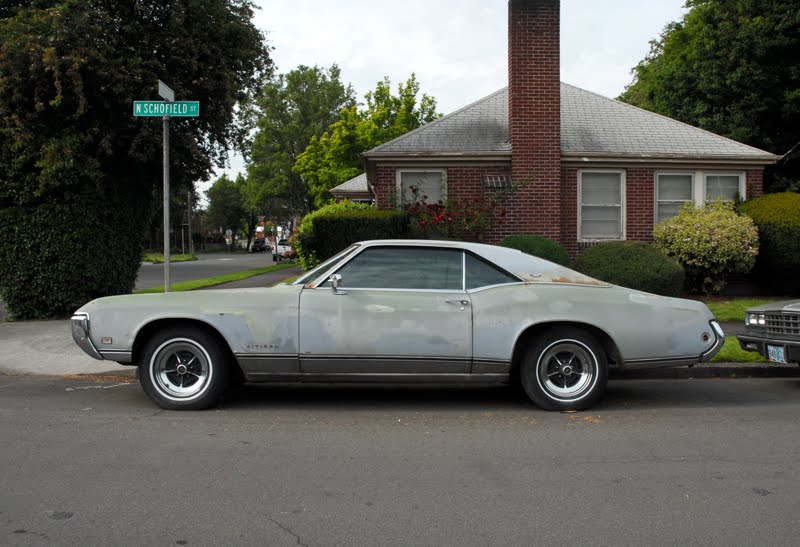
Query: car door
{"points": [[397, 310]]}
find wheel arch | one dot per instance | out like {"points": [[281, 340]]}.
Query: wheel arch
{"points": [[529, 334], [149, 329]]}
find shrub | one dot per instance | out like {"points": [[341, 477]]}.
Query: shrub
{"points": [[777, 217], [538, 246], [633, 264], [53, 271], [330, 229], [710, 242]]}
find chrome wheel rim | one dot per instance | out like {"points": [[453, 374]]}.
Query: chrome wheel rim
{"points": [[181, 369], [567, 370]]}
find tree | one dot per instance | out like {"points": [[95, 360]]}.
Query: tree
{"points": [[335, 157], [225, 207], [292, 109], [76, 168], [729, 66]]}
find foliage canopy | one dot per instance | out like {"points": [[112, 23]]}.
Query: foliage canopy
{"points": [[290, 111], [335, 156], [729, 66], [77, 170]]}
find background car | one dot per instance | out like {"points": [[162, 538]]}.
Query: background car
{"points": [[773, 330], [259, 246], [401, 311], [283, 249]]}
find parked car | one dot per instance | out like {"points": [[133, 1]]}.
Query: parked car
{"points": [[259, 246], [773, 330], [401, 311], [282, 250]]}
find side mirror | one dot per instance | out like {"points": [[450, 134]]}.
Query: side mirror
{"points": [[334, 281]]}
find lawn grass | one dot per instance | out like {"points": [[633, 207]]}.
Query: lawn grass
{"points": [[216, 280], [731, 352], [732, 309], [158, 258]]}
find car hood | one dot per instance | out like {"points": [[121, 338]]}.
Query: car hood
{"points": [[782, 306], [196, 299]]}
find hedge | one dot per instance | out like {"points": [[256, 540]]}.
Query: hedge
{"points": [[633, 264], [538, 246], [332, 228], [777, 217], [75, 255]]}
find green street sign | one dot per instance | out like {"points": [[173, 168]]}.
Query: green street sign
{"points": [[178, 109]]}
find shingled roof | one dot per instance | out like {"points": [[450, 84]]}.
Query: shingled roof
{"points": [[591, 126]]}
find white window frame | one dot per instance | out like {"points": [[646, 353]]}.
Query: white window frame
{"points": [[699, 185], [692, 174], [399, 180], [739, 174], [622, 208]]}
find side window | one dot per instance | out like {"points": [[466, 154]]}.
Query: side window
{"points": [[404, 268], [483, 274]]}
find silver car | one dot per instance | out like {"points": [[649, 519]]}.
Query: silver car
{"points": [[401, 311]]}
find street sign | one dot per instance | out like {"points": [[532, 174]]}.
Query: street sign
{"points": [[165, 92], [178, 109]]}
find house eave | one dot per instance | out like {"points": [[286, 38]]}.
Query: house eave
{"points": [[578, 158], [471, 156]]}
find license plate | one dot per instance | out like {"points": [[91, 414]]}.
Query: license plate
{"points": [[776, 354]]}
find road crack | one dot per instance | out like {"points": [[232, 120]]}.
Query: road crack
{"points": [[288, 530]]}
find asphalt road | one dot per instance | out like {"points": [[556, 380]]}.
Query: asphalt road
{"points": [[206, 265], [668, 462]]}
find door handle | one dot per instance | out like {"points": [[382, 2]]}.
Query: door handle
{"points": [[458, 302]]}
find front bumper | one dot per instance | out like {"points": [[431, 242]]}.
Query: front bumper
{"points": [[758, 343], [80, 333]]}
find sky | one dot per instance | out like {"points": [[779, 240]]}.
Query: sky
{"points": [[456, 48]]}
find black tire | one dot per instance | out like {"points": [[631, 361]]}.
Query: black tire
{"points": [[184, 368], [565, 368]]}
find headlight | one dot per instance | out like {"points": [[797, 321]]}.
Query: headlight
{"points": [[755, 319]]}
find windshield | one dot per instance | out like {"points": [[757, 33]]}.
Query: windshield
{"points": [[313, 273]]}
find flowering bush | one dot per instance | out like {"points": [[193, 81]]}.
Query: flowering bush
{"points": [[710, 242], [466, 220]]}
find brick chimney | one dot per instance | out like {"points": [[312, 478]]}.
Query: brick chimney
{"points": [[534, 111]]}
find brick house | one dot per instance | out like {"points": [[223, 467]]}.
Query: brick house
{"points": [[594, 169]]}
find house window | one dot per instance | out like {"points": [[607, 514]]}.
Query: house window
{"points": [[724, 186], [429, 185], [672, 190], [601, 197]]}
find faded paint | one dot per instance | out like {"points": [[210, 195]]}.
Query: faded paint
{"points": [[387, 329]]}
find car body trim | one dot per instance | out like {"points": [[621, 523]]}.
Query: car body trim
{"points": [[377, 378], [118, 355]]}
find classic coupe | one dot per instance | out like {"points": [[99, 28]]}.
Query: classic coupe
{"points": [[773, 330], [401, 311]]}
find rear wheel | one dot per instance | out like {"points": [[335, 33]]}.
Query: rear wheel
{"points": [[565, 369], [183, 368]]}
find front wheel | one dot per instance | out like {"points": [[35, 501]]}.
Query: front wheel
{"points": [[565, 369], [183, 369]]}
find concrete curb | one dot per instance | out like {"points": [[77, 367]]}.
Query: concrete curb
{"points": [[712, 370]]}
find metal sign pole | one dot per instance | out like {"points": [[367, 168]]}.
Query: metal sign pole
{"points": [[166, 202], [180, 109]]}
